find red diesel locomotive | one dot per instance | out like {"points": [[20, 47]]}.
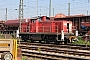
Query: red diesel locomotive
{"points": [[49, 31]]}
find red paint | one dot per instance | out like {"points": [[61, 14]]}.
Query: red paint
{"points": [[24, 27], [86, 23], [44, 18], [49, 26]]}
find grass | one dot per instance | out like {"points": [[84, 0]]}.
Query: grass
{"points": [[30, 58], [24, 58], [82, 42], [1, 36]]}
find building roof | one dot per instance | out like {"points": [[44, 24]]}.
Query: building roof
{"points": [[14, 22], [60, 15]]}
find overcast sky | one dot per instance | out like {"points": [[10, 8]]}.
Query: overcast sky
{"points": [[60, 6]]}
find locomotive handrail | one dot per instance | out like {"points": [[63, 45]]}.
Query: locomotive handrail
{"points": [[49, 30], [43, 28], [57, 29], [25, 29]]}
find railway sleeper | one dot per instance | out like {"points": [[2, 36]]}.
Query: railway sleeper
{"points": [[85, 48], [41, 56], [71, 53], [51, 50], [86, 54], [57, 55], [59, 51], [42, 47]]}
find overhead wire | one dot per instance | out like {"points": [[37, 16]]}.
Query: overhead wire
{"points": [[30, 5]]}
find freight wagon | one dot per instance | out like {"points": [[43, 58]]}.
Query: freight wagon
{"points": [[78, 22], [46, 30]]}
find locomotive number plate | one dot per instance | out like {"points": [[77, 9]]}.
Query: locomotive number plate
{"points": [[4, 44]]}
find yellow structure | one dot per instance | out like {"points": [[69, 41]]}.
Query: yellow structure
{"points": [[8, 49], [72, 38]]}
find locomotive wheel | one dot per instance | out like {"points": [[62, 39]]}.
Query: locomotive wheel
{"points": [[66, 40], [46, 40], [6, 56], [40, 41], [25, 40], [32, 41], [57, 42]]}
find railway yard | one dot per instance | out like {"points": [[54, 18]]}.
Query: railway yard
{"points": [[46, 36]]}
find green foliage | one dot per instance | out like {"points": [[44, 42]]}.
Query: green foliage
{"points": [[1, 36], [80, 38], [82, 42], [28, 41], [24, 58], [39, 49], [13, 35]]}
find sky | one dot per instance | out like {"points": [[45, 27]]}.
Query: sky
{"points": [[30, 10]]}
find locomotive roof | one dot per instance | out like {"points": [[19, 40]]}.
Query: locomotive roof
{"points": [[34, 18]]}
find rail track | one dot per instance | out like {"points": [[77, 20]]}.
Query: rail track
{"points": [[55, 52]]}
